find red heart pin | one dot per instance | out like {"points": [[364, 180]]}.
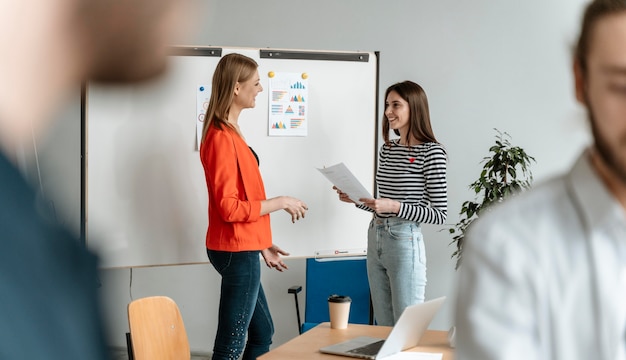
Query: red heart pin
{"points": [[411, 159]]}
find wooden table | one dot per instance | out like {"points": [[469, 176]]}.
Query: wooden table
{"points": [[306, 346]]}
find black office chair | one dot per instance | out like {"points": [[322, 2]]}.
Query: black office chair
{"points": [[325, 277]]}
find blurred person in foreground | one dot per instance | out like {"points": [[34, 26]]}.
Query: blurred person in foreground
{"points": [[544, 274], [48, 280]]}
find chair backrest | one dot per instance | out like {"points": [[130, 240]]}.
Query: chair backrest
{"points": [[157, 330], [346, 276]]}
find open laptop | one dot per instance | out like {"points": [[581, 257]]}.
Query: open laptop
{"points": [[405, 334]]}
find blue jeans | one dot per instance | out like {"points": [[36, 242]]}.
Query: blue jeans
{"points": [[243, 307], [396, 267]]}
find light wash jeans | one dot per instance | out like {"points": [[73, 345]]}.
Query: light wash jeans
{"points": [[396, 267], [243, 307]]}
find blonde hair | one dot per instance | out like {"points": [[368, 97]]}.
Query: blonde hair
{"points": [[230, 70]]}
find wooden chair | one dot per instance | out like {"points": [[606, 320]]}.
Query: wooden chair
{"points": [[157, 330]]}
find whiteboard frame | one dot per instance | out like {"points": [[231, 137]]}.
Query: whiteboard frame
{"points": [[202, 51]]}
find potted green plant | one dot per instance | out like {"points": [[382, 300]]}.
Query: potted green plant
{"points": [[506, 171]]}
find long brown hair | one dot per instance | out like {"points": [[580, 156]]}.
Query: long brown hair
{"points": [[594, 11], [230, 70], [419, 117]]}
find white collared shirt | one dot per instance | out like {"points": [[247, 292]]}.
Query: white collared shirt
{"points": [[543, 275]]}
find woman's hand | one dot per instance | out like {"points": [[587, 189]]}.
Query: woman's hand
{"points": [[343, 196], [272, 258], [296, 208], [382, 205]]}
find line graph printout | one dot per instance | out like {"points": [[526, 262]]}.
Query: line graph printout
{"points": [[340, 176]]}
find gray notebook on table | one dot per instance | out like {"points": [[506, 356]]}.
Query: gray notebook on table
{"points": [[406, 333]]}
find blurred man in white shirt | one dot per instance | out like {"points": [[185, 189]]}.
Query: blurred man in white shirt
{"points": [[543, 275]]}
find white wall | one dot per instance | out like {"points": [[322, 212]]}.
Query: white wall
{"points": [[484, 64]]}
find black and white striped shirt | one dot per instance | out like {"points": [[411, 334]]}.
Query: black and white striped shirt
{"points": [[416, 177]]}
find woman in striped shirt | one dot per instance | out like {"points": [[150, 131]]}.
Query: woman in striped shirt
{"points": [[412, 189]]}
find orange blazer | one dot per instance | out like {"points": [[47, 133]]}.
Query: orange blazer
{"points": [[235, 191]]}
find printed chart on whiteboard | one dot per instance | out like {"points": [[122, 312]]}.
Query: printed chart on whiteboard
{"points": [[288, 103]]}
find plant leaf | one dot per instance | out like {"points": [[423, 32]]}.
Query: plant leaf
{"points": [[497, 181]]}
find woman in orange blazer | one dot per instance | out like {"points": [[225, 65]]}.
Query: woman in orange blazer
{"points": [[239, 222]]}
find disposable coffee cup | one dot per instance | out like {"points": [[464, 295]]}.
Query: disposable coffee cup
{"points": [[339, 308]]}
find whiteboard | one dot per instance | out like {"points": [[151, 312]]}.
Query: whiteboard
{"points": [[145, 192]]}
